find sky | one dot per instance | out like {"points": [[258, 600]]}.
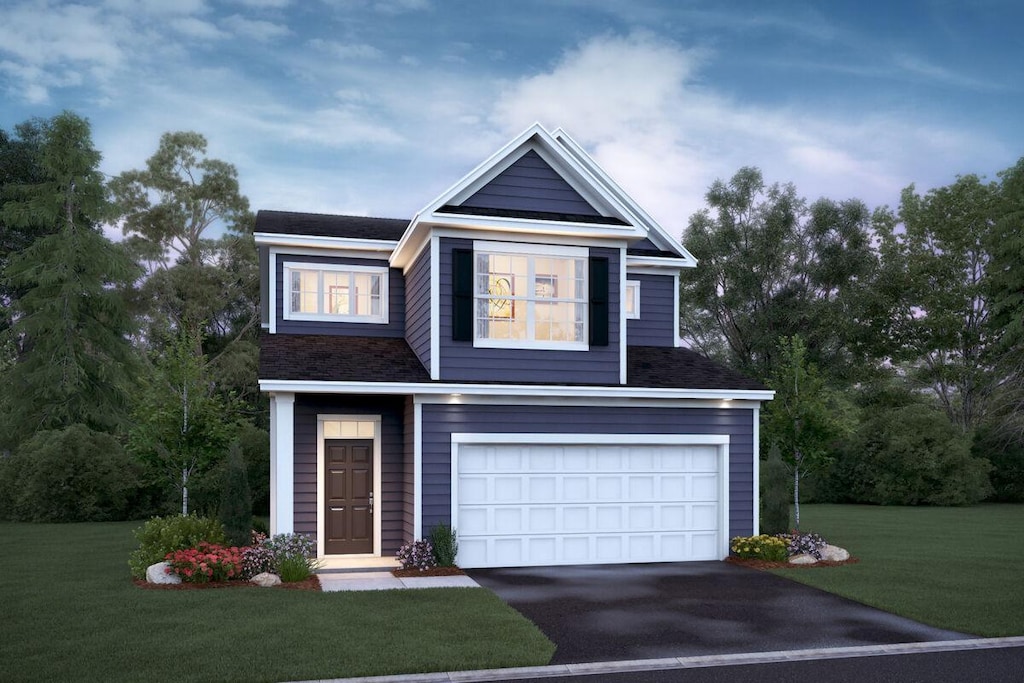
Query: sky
{"points": [[375, 107]]}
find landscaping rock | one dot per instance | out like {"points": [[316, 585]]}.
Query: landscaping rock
{"points": [[157, 573], [266, 579], [803, 559], [833, 553]]}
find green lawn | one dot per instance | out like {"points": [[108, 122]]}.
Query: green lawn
{"points": [[70, 612], [955, 568]]}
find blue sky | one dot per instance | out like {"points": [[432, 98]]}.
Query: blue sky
{"points": [[376, 106]]}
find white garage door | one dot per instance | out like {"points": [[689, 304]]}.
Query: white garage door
{"points": [[534, 504]]}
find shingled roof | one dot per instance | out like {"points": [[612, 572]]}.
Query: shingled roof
{"points": [[324, 225], [335, 358]]}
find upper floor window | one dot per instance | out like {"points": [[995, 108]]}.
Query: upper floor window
{"points": [[530, 296], [339, 293], [632, 302]]}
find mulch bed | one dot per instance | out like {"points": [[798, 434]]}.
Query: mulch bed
{"points": [[436, 571], [310, 584], [764, 564]]}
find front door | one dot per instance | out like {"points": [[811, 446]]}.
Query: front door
{"points": [[348, 496]]}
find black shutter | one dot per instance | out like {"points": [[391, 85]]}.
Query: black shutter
{"points": [[599, 301], [462, 294]]}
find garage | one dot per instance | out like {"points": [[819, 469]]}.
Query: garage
{"points": [[533, 500]]}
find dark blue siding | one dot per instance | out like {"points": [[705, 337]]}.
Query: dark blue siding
{"points": [[530, 184], [439, 421], [461, 361], [657, 323], [417, 307], [396, 302], [391, 500]]}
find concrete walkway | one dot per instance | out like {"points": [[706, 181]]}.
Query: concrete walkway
{"points": [[384, 580]]}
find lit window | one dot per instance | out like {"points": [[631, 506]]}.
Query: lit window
{"points": [[632, 299], [530, 297], [336, 293]]}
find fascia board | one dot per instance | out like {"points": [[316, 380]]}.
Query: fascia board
{"points": [[633, 261], [660, 234], [328, 387], [531, 225], [321, 242]]}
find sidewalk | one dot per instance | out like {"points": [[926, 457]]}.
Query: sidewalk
{"points": [[384, 580]]}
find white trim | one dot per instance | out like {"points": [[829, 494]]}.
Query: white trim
{"points": [[320, 479], [659, 262], [282, 463], [272, 258], [321, 242], [623, 325], [675, 307], [587, 240], [636, 299], [417, 471], [435, 308], [720, 441], [496, 400], [648, 270], [507, 224], [382, 272], [757, 471], [381, 258], [527, 249], [376, 388]]}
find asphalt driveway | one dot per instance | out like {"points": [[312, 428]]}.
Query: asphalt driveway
{"points": [[643, 611]]}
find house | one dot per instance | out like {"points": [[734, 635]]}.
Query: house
{"points": [[507, 362]]}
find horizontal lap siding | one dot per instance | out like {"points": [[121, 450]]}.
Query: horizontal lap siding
{"points": [[395, 326], [417, 307], [658, 320], [391, 499], [530, 184], [439, 421], [461, 361]]}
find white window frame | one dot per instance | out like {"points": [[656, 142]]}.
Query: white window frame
{"points": [[321, 268], [632, 292], [531, 251]]}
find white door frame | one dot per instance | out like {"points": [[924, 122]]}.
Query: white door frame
{"points": [[719, 441], [321, 478]]}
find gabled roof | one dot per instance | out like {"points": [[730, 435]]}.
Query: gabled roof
{"points": [[578, 199]]}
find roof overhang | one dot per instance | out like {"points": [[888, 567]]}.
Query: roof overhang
{"points": [[634, 262], [376, 247]]}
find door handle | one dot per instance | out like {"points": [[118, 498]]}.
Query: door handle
{"points": [[371, 502]]}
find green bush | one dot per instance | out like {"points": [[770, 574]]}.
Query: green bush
{"points": [[235, 501], [1007, 457], [776, 494], [162, 535], [910, 456], [68, 475], [293, 568], [762, 547], [445, 544]]}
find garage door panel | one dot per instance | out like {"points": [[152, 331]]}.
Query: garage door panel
{"points": [[539, 504]]}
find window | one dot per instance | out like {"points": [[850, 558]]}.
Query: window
{"points": [[336, 293], [528, 296], [632, 302]]}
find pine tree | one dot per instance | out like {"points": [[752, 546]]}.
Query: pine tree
{"points": [[775, 494], [70, 325]]}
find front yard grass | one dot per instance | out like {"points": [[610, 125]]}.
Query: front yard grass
{"points": [[70, 612], [960, 569]]}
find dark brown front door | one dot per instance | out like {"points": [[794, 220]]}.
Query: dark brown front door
{"points": [[348, 497]]}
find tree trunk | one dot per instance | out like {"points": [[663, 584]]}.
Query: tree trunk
{"points": [[796, 494], [184, 492]]}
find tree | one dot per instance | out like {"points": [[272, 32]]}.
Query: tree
{"points": [[772, 267], [70, 326], [805, 418], [180, 426], [236, 500], [940, 326], [774, 494]]}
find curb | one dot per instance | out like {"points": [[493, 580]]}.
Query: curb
{"points": [[686, 662]]}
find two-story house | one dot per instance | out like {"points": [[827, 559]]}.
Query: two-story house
{"points": [[507, 362]]}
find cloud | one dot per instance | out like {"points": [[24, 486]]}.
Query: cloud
{"points": [[264, 4], [197, 28], [262, 31], [346, 50]]}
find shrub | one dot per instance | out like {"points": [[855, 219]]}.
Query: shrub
{"points": [[290, 551], [205, 563], [235, 500], [416, 555], [445, 544], [256, 557], [762, 547], [804, 543], [162, 535], [69, 475], [911, 456], [776, 494], [1006, 454]]}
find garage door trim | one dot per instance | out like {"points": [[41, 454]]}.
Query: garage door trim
{"points": [[719, 441]]}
